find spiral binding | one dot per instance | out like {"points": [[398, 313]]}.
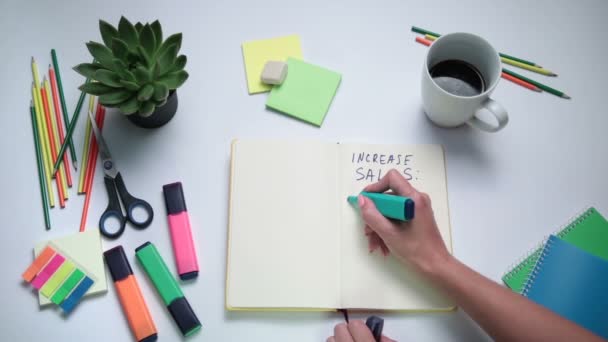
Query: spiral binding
{"points": [[536, 269], [522, 261]]}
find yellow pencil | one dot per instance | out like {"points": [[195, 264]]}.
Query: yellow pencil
{"points": [[43, 143], [430, 37], [85, 149], [47, 148], [528, 67], [55, 137]]}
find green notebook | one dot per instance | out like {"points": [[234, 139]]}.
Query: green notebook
{"points": [[588, 231]]}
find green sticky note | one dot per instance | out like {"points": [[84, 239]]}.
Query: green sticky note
{"points": [[306, 92], [67, 286]]}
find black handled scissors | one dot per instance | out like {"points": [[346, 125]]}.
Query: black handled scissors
{"points": [[113, 181]]}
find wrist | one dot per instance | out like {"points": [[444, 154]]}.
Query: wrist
{"points": [[436, 266]]}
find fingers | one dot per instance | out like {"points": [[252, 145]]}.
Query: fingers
{"points": [[341, 333], [372, 217], [393, 180], [386, 339], [330, 339], [359, 331]]}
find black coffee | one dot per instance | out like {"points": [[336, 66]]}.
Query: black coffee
{"points": [[458, 78]]}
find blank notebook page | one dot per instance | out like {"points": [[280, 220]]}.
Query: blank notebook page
{"points": [[283, 249], [572, 283]]}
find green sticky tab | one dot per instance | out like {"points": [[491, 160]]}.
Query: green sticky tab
{"points": [[159, 273], [57, 278], [67, 287], [306, 92]]}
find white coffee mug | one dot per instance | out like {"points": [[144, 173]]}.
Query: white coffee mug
{"points": [[449, 110]]}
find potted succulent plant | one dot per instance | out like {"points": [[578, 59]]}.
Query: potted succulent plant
{"points": [[136, 71]]}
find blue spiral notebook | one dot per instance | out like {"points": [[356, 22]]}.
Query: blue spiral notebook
{"points": [[572, 283]]}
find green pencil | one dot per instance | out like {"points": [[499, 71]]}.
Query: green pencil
{"points": [[45, 205], [70, 130], [540, 85], [64, 108], [423, 31]]}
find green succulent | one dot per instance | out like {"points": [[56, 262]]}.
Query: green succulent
{"points": [[134, 70]]}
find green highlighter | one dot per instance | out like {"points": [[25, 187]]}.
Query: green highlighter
{"points": [[168, 288], [391, 206]]}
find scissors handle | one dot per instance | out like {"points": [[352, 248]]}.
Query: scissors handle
{"points": [[113, 210], [131, 203]]}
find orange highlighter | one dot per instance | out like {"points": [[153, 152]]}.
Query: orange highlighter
{"points": [[131, 299]]}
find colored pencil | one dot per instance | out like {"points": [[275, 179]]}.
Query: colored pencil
{"points": [[423, 41], [58, 111], [430, 37], [520, 82], [503, 75], [55, 134], [85, 210], [540, 85], [40, 165], [85, 149], [47, 116], [425, 32], [47, 150], [528, 67], [64, 109], [71, 127], [93, 150], [44, 144]]}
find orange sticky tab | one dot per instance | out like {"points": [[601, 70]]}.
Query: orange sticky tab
{"points": [[42, 259], [135, 308]]}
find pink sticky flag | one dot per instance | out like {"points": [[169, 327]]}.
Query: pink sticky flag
{"points": [[47, 271]]}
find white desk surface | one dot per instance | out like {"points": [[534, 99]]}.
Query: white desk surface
{"points": [[506, 190]]}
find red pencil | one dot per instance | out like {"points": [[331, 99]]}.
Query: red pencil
{"points": [[423, 41], [59, 120], [520, 82], [91, 162], [49, 127]]}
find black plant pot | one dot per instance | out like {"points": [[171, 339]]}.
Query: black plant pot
{"points": [[161, 115]]}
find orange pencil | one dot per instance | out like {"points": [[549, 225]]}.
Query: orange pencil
{"points": [[423, 41], [99, 118], [49, 125], [520, 82], [59, 120]]}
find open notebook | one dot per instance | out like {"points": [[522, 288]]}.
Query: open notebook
{"points": [[294, 242]]}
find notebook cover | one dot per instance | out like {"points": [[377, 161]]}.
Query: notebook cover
{"points": [[588, 231], [288, 309], [572, 283]]}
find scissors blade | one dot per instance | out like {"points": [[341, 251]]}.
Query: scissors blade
{"points": [[106, 158]]}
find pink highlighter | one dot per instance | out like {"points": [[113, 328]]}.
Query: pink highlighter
{"points": [[181, 233]]}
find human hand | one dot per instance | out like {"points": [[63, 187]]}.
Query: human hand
{"points": [[354, 331], [416, 242]]}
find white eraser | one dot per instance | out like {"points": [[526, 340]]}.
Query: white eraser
{"points": [[274, 72]]}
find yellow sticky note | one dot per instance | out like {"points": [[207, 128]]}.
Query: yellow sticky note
{"points": [[57, 278], [257, 52]]}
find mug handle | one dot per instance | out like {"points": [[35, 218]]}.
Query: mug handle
{"points": [[499, 112]]}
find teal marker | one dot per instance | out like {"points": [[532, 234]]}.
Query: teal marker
{"points": [[391, 206]]}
